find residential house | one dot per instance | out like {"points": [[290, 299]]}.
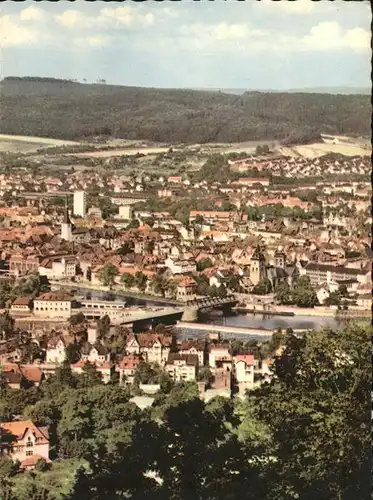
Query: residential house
{"points": [[21, 306], [186, 289], [154, 347], [195, 347], [22, 376], [127, 369], [244, 368], [96, 353], [23, 441], [182, 366], [56, 350], [106, 369], [220, 357]]}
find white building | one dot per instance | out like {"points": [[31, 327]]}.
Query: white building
{"points": [[125, 212], [53, 305], [182, 367], [56, 350], [80, 203], [180, 266], [58, 268], [244, 365]]}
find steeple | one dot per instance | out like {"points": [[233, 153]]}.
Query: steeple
{"points": [[66, 226], [66, 218], [258, 255]]}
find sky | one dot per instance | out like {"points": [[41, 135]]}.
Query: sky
{"points": [[227, 44]]}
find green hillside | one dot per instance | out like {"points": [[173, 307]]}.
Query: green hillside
{"points": [[66, 110]]}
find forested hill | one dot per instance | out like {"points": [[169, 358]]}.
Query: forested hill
{"points": [[67, 110]]}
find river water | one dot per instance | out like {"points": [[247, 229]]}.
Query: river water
{"points": [[245, 320]]}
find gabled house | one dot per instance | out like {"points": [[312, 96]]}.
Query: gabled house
{"points": [[154, 347], [56, 350], [24, 441], [96, 353], [195, 347], [182, 366]]}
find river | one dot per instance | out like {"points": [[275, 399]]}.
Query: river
{"points": [[245, 320]]}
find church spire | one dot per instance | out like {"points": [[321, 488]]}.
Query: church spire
{"points": [[66, 218]]}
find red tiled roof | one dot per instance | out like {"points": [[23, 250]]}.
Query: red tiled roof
{"points": [[19, 428], [247, 358]]}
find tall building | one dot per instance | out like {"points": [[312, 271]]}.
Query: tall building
{"points": [[80, 203], [257, 267], [66, 226]]}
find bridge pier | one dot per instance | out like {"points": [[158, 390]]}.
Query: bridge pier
{"points": [[190, 314]]}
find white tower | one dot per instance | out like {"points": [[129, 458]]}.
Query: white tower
{"points": [[80, 203], [66, 226]]}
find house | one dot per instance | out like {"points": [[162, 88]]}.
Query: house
{"points": [[20, 265], [220, 357], [22, 440], [154, 347], [127, 369], [56, 350], [180, 266], [186, 289], [106, 369], [195, 347], [58, 268], [96, 353], [21, 306], [182, 366], [20, 376], [243, 366]]}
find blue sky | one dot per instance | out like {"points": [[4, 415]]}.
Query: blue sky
{"points": [[221, 44]]}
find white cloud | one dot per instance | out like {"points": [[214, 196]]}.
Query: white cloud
{"points": [[108, 18], [327, 36], [71, 19], [32, 14], [13, 34]]}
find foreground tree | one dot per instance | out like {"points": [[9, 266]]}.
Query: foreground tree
{"points": [[318, 412]]}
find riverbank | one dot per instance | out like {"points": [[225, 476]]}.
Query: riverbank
{"points": [[262, 312], [289, 311], [118, 291]]}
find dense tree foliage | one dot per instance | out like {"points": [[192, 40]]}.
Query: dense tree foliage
{"points": [[70, 110], [304, 435]]}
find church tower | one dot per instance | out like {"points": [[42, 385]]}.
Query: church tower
{"points": [[280, 258], [257, 266], [66, 226]]}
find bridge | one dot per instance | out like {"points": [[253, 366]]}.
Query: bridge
{"points": [[144, 318], [209, 302], [192, 307]]}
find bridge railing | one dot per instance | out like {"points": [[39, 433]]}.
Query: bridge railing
{"points": [[206, 301]]}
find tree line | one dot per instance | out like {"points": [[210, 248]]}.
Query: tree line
{"points": [[68, 110]]}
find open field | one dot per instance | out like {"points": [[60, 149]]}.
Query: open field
{"points": [[29, 144], [119, 152], [320, 149]]}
